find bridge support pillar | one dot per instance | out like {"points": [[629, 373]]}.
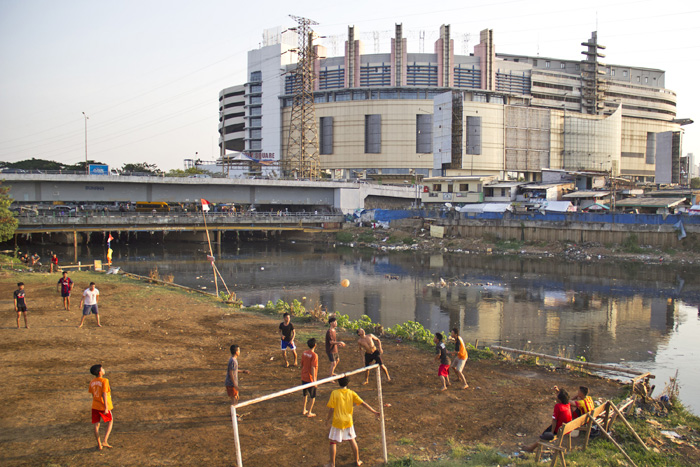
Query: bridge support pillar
{"points": [[218, 237]]}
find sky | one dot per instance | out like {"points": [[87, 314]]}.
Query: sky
{"points": [[148, 73]]}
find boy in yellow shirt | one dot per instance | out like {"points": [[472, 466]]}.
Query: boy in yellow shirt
{"points": [[101, 404], [340, 408], [461, 356]]}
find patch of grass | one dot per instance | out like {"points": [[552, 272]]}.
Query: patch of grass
{"points": [[405, 441], [343, 237], [366, 237], [408, 240], [631, 244], [511, 244]]}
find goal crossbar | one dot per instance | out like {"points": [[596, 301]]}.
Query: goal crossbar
{"points": [[234, 418]]}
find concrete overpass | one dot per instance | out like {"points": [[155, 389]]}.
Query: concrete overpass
{"points": [[311, 195]]}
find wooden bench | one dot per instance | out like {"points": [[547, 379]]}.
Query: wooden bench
{"points": [[557, 445]]}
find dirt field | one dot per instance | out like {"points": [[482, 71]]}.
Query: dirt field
{"points": [[165, 354]]}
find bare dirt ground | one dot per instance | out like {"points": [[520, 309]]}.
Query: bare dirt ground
{"points": [[165, 354]]}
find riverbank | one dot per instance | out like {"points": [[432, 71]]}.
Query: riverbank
{"points": [[393, 239], [165, 353]]}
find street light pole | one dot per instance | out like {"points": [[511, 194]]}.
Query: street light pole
{"points": [[87, 170]]}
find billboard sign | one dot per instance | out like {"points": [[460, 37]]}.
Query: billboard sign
{"points": [[99, 169]]}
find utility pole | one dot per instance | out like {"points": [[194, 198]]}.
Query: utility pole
{"points": [[87, 170], [303, 158]]}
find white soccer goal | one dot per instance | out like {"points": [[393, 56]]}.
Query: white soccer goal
{"points": [[234, 418]]}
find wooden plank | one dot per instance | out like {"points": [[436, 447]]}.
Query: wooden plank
{"points": [[610, 438]]}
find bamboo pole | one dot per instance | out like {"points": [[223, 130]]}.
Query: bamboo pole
{"points": [[381, 413], [236, 440], [610, 438], [598, 366], [303, 386], [211, 252], [624, 420]]}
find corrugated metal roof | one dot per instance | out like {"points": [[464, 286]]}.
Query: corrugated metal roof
{"points": [[587, 194], [649, 202]]}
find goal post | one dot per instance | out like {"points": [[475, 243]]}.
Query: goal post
{"points": [[234, 418]]}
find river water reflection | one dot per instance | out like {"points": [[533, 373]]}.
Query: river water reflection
{"points": [[643, 316]]}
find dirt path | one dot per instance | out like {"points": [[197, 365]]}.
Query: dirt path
{"points": [[165, 355]]}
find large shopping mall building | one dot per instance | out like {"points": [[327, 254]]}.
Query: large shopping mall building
{"points": [[433, 114]]}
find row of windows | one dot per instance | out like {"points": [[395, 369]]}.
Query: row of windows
{"points": [[563, 87], [233, 94], [548, 64], [373, 134], [640, 98], [508, 82], [638, 77], [391, 93]]}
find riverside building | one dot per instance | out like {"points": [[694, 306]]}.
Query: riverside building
{"points": [[402, 114]]}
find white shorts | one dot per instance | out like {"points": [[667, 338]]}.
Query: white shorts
{"points": [[458, 364], [338, 436]]}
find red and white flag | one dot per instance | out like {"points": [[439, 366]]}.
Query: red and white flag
{"points": [[205, 205], [109, 238]]}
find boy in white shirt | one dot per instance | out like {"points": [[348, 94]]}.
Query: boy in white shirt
{"points": [[89, 304]]}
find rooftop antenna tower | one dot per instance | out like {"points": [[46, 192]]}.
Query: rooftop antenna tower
{"points": [[302, 159], [421, 41]]}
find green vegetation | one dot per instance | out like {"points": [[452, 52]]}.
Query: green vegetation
{"points": [[8, 222], [344, 237], [631, 244], [141, 167], [695, 183], [366, 237], [511, 244], [187, 172], [43, 164]]}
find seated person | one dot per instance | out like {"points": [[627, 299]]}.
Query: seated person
{"points": [[582, 403], [561, 415]]}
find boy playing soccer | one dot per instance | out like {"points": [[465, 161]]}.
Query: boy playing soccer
{"points": [[89, 304], [21, 304], [309, 374], [287, 333], [461, 356], [441, 354], [372, 352], [232, 370], [101, 404], [65, 284], [332, 344], [340, 407]]}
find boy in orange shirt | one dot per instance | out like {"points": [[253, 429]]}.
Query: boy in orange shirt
{"points": [[461, 356], [101, 404], [309, 374]]}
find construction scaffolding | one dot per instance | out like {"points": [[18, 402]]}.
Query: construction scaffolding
{"points": [[302, 159]]}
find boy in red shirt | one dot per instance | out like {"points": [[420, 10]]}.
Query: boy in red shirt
{"points": [[309, 374], [560, 416], [101, 404]]}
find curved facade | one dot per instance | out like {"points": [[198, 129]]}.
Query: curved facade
{"points": [[400, 113]]}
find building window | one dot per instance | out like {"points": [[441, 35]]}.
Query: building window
{"points": [[373, 134], [255, 100], [562, 65], [624, 73], [450, 188], [463, 187], [255, 122], [255, 88], [547, 64], [255, 144], [646, 80], [474, 135], [255, 111], [256, 134], [437, 187], [256, 76], [612, 72], [503, 192], [534, 62], [326, 135], [638, 79], [424, 133], [578, 67]]}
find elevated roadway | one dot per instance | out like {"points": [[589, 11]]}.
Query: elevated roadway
{"points": [[343, 196]]}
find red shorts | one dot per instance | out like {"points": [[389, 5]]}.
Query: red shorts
{"points": [[231, 391], [444, 370], [99, 416]]}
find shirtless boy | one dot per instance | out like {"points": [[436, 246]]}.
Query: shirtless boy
{"points": [[372, 352]]}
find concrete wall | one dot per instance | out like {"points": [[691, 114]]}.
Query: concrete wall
{"points": [[660, 236]]}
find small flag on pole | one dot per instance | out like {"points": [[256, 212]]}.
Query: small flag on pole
{"points": [[205, 205], [109, 238]]}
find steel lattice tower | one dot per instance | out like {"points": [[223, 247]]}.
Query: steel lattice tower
{"points": [[302, 158]]}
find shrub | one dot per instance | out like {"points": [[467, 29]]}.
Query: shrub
{"points": [[343, 237]]}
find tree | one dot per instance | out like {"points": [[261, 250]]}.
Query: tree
{"points": [[142, 167], [186, 172], [695, 183], [80, 166], [8, 222], [34, 164]]}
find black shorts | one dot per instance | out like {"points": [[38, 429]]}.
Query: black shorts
{"points": [[547, 434], [311, 392], [369, 357], [333, 357], [65, 294], [21, 308]]}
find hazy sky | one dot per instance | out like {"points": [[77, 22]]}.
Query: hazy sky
{"points": [[148, 73]]}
